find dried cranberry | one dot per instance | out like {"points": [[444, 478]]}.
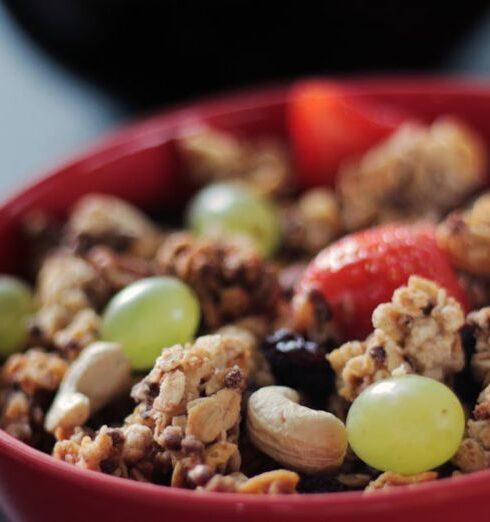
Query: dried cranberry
{"points": [[299, 362]]}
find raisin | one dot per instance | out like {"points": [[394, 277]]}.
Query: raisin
{"points": [[298, 362]]}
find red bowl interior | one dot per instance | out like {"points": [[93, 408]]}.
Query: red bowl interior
{"points": [[139, 164]]}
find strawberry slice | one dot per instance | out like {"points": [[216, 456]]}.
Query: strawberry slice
{"points": [[362, 270], [326, 125]]}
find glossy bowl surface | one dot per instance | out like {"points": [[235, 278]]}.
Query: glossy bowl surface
{"points": [[139, 164]]}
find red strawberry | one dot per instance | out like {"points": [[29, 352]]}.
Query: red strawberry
{"points": [[327, 125], [362, 270]]}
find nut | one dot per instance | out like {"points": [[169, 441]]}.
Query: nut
{"points": [[297, 437], [99, 375]]}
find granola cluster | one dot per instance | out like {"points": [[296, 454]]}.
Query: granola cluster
{"points": [[479, 324], [127, 452], [311, 222], [191, 400], [474, 452], [27, 382], [68, 289], [418, 172], [418, 332], [466, 236], [231, 280], [99, 219], [118, 270], [43, 235], [211, 155], [189, 404]]}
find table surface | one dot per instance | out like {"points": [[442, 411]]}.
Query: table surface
{"points": [[47, 113]]}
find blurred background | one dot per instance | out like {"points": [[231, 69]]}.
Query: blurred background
{"points": [[71, 69]]}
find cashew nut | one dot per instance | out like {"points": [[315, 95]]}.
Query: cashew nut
{"points": [[95, 378], [295, 436]]}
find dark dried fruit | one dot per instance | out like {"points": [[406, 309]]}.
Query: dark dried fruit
{"points": [[299, 362]]}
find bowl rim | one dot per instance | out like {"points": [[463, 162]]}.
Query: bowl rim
{"points": [[164, 123]]}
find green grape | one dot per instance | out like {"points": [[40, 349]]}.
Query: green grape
{"points": [[149, 315], [232, 208], [16, 304], [406, 424]]}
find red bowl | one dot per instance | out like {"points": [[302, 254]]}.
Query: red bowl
{"points": [[140, 165]]}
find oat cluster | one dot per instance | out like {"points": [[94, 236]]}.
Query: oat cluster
{"points": [[418, 332], [419, 172], [231, 280]]}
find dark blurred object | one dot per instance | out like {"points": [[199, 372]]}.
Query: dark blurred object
{"points": [[299, 362], [149, 52]]}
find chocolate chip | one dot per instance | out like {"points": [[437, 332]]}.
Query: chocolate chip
{"points": [[427, 309], [406, 321], [108, 466], [234, 378], [200, 475], [378, 353], [117, 436], [192, 445], [35, 330], [153, 389], [172, 437]]}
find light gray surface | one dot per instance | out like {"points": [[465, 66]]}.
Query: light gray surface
{"points": [[472, 54], [45, 114]]}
